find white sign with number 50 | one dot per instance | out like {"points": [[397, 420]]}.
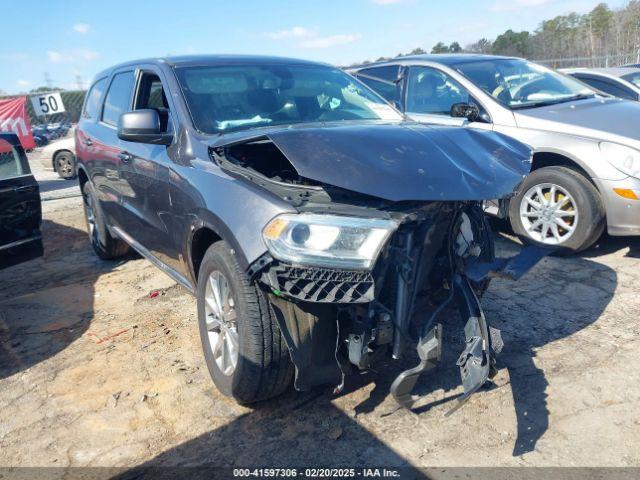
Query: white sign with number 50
{"points": [[47, 104]]}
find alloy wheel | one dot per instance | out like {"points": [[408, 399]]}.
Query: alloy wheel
{"points": [[90, 215], [549, 213], [222, 328], [64, 165]]}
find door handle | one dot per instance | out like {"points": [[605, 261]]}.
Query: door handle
{"points": [[125, 157], [23, 188], [88, 142]]}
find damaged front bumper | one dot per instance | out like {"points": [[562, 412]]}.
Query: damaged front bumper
{"points": [[336, 321]]}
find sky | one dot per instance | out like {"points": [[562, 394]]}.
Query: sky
{"points": [[70, 41]]}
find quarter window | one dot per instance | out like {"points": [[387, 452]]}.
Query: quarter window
{"points": [[92, 105], [118, 98]]}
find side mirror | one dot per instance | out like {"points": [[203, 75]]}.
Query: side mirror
{"points": [[142, 126], [465, 110]]}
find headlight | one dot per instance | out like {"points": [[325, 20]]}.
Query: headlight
{"points": [[327, 240], [625, 159]]}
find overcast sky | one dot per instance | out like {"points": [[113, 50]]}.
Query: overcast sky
{"points": [[73, 40]]}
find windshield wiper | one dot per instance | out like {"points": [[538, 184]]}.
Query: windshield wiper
{"points": [[544, 103]]}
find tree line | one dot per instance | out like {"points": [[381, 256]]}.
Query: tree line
{"points": [[602, 31]]}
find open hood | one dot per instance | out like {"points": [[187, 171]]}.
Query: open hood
{"points": [[404, 161]]}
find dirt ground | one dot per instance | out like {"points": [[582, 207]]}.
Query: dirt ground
{"points": [[94, 371]]}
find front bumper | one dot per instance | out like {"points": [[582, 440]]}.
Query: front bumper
{"points": [[623, 214], [322, 285]]}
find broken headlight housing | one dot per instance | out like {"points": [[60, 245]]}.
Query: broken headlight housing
{"points": [[327, 240]]}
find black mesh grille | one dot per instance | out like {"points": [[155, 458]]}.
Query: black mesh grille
{"points": [[321, 284]]}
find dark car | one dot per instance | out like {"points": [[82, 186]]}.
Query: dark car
{"points": [[312, 223], [20, 211], [621, 82]]}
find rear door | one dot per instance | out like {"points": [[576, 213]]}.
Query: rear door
{"points": [[20, 210], [101, 138]]}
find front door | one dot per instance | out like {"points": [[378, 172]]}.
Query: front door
{"points": [[20, 211], [145, 169], [429, 95]]}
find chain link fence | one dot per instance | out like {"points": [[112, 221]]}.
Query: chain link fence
{"points": [[72, 100], [603, 61]]}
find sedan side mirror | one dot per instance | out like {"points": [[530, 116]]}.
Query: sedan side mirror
{"points": [[465, 110], [142, 126]]}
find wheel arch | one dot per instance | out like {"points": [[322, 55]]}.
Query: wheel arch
{"points": [[552, 158], [83, 177], [202, 234]]}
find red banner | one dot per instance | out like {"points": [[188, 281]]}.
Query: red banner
{"points": [[14, 118]]}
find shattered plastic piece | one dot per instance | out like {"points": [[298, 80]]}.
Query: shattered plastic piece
{"points": [[430, 351], [154, 294]]}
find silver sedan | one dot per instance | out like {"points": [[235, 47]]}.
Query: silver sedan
{"points": [[586, 164]]}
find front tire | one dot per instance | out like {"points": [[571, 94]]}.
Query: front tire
{"points": [[557, 207], [245, 352], [103, 243], [64, 163]]}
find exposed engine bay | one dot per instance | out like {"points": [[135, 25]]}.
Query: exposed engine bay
{"points": [[337, 320]]}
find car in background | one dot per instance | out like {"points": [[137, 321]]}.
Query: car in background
{"points": [[586, 164], [621, 82], [60, 155], [41, 132], [20, 209]]}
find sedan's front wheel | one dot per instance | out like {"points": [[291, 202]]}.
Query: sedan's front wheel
{"points": [[557, 207]]}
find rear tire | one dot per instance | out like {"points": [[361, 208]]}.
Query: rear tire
{"points": [[262, 368], [566, 195], [64, 163], [103, 243]]}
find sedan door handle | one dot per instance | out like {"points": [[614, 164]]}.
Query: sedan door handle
{"points": [[125, 157], [23, 188], [88, 142]]}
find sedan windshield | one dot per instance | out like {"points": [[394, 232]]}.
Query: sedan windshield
{"points": [[521, 84], [633, 78], [227, 98]]}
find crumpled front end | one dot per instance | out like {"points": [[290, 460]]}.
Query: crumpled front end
{"points": [[382, 244]]}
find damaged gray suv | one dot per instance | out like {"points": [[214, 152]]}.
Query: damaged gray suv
{"points": [[318, 229]]}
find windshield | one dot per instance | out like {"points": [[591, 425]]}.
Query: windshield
{"points": [[227, 98], [633, 78], [521, 84]]}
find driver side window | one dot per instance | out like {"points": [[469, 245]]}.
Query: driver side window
{"points": [[151, 94], [433, 92]]}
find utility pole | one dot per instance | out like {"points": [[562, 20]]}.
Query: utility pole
{"points": [[47, 80], [79, 82]]}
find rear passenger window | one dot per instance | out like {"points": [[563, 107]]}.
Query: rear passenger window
{"points": [[92, 105], [118, 98], [388, 91], [388, 73]]}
